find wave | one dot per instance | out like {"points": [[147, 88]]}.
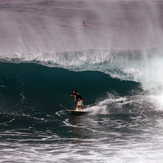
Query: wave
{"points": [[47, 80], [143, 66], [34, 83], [34, 93], [44, 56]]}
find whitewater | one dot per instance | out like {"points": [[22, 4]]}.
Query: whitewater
{"points": [[115, 63]]}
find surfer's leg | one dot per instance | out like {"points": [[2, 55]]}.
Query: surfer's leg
{"points": [[80, 104]]}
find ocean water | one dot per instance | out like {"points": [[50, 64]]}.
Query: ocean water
{"points": [[115, 63]]}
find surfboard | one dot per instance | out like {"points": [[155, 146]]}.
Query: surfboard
{"points": [[77, 111]]}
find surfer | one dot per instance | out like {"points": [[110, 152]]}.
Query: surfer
{"points": [[78, 98], [83, 25]]}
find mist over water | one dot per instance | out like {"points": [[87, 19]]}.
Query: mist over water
{"points": [[115, 63], [37, 27]]}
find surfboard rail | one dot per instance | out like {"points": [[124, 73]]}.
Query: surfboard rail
{"points": [[77, 111]]}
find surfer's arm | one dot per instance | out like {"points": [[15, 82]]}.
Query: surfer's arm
{"points": [[74, 97]]}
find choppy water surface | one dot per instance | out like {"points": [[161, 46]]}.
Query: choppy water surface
{"points": [[115, 63]]}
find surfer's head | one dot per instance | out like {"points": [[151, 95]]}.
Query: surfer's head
{"points": [[75, 91]]}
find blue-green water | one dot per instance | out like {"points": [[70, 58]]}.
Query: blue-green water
{"points": [[115, 64], [36, 128]]}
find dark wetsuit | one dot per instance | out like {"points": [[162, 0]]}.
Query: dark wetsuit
{"points": [[79, 99], [78, 96]]}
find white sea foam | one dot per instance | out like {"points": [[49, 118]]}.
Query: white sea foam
{"points": [[46, 32], [144, 67]]}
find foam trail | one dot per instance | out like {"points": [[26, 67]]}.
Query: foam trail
{"points": [[103, 106]]}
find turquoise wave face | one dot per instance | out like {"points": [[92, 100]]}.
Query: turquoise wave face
{"points": [[28, 85], [34, 97], [115, 63]]}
